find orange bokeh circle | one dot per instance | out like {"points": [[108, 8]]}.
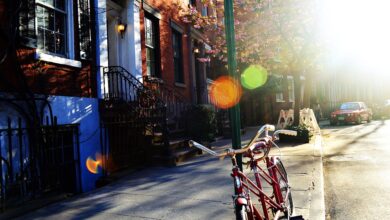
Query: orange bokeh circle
{"points": [[93, 165], [225, 92]]}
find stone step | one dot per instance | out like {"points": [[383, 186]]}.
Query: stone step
{"points": [[177, 133], [185, 154], [179, 152], [178, 144]]}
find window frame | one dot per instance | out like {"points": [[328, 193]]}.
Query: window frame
{"points": [[279, 96], [290, 88], [155, 48], [205, 11], [178, 70]]}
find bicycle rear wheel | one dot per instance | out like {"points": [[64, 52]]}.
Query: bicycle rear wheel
{"points": [[284, 188]]}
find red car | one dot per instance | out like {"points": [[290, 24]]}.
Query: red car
{"points": [[351, 112]]}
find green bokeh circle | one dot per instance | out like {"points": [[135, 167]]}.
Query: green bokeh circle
{"points": [[254, 76]]}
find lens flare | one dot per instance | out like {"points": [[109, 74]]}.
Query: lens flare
{"points": [[254, 76], [225, 92], [93, 165]]}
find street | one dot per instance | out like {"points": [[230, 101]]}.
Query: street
{"points": [[356, 171]]}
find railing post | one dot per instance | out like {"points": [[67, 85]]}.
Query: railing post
{"points": [[9, 133], [20, 134], [2, 193]]}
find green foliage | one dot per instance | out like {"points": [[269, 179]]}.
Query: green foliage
{"points": [[273, 85], [201, 122]]}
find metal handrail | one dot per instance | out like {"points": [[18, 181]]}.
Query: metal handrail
{"points": [[122, 85]]}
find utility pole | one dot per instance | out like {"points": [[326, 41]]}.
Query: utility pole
{"points": [[234, 112]]}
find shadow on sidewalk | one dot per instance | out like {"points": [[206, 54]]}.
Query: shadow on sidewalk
{"points": [[198, 189]]}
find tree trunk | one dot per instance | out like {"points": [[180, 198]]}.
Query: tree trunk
{"points": [[308, 87], [298, 100]]}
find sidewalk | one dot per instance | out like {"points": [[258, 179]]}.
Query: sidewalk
{"points": [[198, 189]]}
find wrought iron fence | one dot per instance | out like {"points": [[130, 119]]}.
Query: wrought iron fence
{"points": [[37, 162], [131, 114], [176, 103]]}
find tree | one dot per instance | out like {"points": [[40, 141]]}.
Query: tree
{"points": [[280, 35]]}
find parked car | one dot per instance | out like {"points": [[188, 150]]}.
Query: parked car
{"points": [[351, 112]]}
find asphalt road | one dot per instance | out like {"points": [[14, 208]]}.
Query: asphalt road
{"points": [[357, 171]]}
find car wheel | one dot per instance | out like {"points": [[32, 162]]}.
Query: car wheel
{"points": [[359, 120], [369, 119]]}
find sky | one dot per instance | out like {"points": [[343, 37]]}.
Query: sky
{"points": [[357, 33]]}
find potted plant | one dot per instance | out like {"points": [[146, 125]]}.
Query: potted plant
{"points": [[303, 134]]}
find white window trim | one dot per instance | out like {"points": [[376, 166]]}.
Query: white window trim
{"points": [[39, 55], [70, 29]]}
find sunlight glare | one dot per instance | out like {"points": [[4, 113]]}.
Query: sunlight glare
{"points": [[358, 32]]}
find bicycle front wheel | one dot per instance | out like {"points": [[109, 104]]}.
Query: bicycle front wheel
{"points": [[241, 213], [284, 188]]}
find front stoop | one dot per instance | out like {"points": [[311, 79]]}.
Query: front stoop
{"points": [[177, 152]]}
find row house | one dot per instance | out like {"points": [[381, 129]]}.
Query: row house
{"points": [[265, 108], [49, 107], [89, 88]]}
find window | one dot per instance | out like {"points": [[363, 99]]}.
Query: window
{"points": [[85, 35], [290, 86], [51, 26], [177, 56], [151, 43], [279, 95], [27, 23], [204, 10]]}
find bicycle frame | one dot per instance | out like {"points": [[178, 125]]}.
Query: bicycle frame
{"points": [[243, 185], [246, 186]]}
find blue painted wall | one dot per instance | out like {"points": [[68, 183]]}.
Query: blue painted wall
{"points": [[84, 111]]}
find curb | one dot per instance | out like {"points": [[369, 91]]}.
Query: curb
{"points": [[317, 205]]}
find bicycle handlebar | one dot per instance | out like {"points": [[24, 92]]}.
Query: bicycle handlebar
{"points": [[249, 146]]}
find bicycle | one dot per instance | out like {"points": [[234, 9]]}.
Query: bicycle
{"points": [[257, 150]]}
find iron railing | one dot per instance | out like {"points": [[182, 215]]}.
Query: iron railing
{"points": [[32, 167], [130, 115], [175, 102], [120, 85]]}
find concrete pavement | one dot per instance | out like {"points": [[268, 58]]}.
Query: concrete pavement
{"points": [[198, 189]]}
